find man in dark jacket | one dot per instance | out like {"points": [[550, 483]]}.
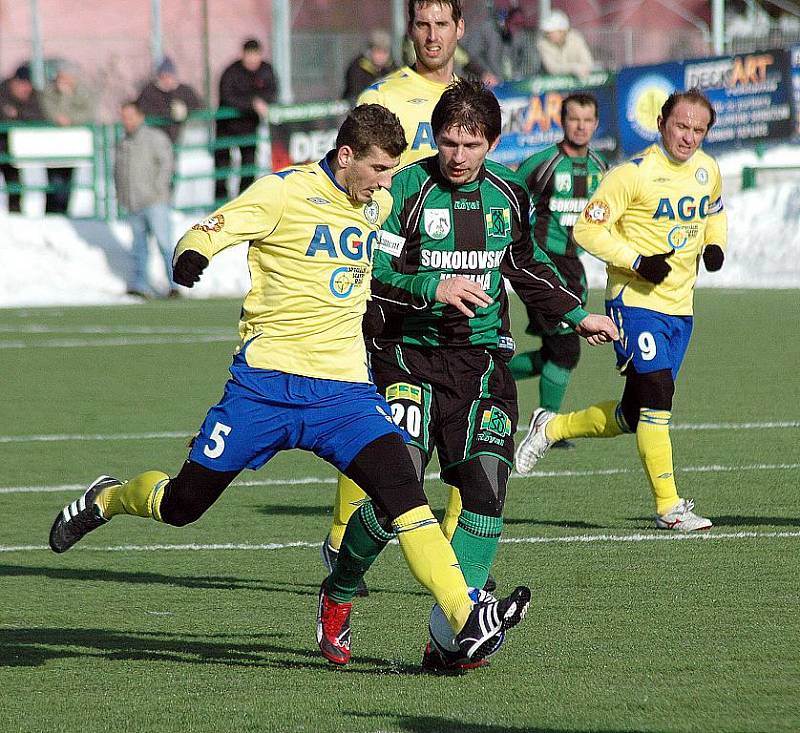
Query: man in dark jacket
{"points": [[19, 102], [375, 63], [164, 96], [247, 86]]}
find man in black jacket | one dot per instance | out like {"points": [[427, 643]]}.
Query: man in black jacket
{"points": [[19, 102], [247, 86]]}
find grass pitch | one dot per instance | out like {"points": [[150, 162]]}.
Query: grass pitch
{"points": [[210, 628]]}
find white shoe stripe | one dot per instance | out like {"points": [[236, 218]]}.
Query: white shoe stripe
{"points": [[65, 513]]}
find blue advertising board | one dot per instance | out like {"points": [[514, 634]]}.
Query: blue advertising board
{"points": [[532, 115], [751, 94], [795, 61]]}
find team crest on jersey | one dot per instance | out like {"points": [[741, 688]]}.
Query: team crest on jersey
{"points": [[437, 223], [597, 212], [563, 182], [212, 224], [498, 222], [701, 174], [372, 211]]}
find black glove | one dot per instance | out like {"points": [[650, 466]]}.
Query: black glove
{"points": [[654, 268], [713, 257], [186, 271]]}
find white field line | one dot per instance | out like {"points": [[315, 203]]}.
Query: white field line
{"points": [[146, 330], [329, 480], [782, 424], [118, 341], [711, 536]]}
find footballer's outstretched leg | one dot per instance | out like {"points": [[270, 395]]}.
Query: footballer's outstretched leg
{"points": [[80, 517], [490, 618]]}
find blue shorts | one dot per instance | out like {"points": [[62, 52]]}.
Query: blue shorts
{"points": [[648, 340], [264, 411]]}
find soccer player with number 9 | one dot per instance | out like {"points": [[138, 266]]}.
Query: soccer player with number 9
{"points": [[651, 220]]}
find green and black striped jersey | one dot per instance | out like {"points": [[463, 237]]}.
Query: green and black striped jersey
{"points": [[560, 188], [479, 230]]}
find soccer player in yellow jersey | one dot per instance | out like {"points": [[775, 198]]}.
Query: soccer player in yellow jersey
{"points": [[651, 220], [299, 377], [435, 28]]}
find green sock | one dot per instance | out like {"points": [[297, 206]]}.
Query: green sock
{"points": [[525, 366], [553, 386], [363, 541], [475, 545]]}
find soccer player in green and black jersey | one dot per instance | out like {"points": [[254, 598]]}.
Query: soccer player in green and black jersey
{"points": [[458, 225], [561, 179]]}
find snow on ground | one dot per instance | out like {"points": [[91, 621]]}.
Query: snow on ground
{"points": [[59, 261]]}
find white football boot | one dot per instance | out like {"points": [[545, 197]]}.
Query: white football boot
{"points": [[535, 444], [681, 518]]}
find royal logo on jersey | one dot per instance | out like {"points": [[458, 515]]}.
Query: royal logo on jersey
{"points": [[498, 222], [563, 182], [437, 223], [372, 211], [597, 212], [495, 425], [212, 224]]}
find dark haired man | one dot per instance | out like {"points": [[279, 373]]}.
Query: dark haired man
{"points": [[459, 225], [561, 179], [299, 377], [434, 27], [651, 220]]}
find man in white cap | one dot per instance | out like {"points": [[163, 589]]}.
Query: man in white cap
{"points": [[562, 49]]}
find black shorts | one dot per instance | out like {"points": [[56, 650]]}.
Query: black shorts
{"points": [[571, 269], [463, 402]]}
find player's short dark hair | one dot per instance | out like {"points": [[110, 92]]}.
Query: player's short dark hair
{"points": [[469, 106], [455, 7], [372, 124], [131, 103], [582, 99], [693, 96], [251, 44]]}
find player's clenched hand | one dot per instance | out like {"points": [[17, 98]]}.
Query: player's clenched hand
{"points": [[460, 292], [597, 329], [187, 268], [713, 257], [654, 268]]}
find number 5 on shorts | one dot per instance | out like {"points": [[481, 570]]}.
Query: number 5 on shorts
{"points": [[218, 440]]}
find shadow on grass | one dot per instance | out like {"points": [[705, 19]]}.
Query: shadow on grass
{"points": [[565, 523], [215, 582], [435, 724], [33, 647]]}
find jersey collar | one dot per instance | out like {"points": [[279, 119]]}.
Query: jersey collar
{"points": [[326, 167]]}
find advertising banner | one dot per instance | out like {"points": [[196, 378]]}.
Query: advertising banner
{"points": [[751, 94], [532, 115], [795, 59], [301, 133]]}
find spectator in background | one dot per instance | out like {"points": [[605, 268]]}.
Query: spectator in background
{"points": [[143, 167], [369, 66], [19, 102], [66, 101], [562, 49], [501, 49], [248, 86], [164, 96]]}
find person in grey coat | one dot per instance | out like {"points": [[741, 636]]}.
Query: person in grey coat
{"points": [[143, 169]]}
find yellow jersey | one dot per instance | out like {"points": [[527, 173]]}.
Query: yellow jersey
{"points": [[310, 261], [650, 205], [412, 98]]}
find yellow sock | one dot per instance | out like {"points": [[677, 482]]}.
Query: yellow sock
{"points": [[433, 563], [603, 420], [140, 496], [348, 498], [451, 513], [655, 450]]}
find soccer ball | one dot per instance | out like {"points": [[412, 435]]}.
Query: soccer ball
{"points": [[444, 641]]}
